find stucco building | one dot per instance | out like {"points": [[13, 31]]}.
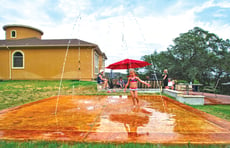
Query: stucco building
{"points": [[24, 55]]}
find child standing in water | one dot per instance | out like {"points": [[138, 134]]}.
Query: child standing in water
{"points": [[132, 82]]}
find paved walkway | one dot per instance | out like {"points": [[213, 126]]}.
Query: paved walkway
{"points": [[157, 119], [212, 99]]}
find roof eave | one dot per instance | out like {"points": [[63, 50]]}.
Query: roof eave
{"points": [[105, 56], [62, 45]]}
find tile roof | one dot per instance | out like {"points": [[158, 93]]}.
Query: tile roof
{"points": [[35, 42], [28, 42]]}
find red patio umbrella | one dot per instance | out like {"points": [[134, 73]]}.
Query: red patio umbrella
{"points": [[127, 64]]}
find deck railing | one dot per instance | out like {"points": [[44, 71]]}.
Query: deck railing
{"points": [[153, 84]]}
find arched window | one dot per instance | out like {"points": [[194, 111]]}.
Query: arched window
{"points": [[13, 34], [18, 59]]}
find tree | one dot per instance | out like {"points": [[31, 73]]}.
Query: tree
{"points": [[159, 62], [195, 55]]}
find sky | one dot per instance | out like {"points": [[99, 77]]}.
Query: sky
{"points": [[121, 28]]}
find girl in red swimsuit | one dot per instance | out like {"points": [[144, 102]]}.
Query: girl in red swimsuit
{"points": [[132, 82]]}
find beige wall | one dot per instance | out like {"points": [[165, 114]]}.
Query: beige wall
{"points": [[4, 64], [22, 33], [47, 64]]}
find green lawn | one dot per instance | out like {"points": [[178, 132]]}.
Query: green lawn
{"points": [[14, 93], [222, 111], [44, 144]]}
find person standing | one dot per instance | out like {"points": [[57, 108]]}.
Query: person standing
{"points": [[165, 78]]}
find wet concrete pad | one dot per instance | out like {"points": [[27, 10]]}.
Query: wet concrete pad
{"points": [[157, 119]]}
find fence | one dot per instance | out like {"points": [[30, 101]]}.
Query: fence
{"points": [[153, 84]]}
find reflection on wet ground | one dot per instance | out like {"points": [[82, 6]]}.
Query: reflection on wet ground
{"points": [[112, 119]]}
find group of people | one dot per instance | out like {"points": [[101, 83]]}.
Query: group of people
{"points": [[120, 83], [132, 82]]}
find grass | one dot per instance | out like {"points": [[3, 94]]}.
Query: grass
{"points": [[14, 93], [47, 144], [221, 111]]}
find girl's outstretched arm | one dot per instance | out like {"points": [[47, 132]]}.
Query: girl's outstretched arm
{"points": [[143, 81]]}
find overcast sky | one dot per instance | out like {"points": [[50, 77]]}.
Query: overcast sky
{"points": [[121, 28]]}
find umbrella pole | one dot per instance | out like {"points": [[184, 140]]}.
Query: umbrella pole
{"points": [[111, 73]]}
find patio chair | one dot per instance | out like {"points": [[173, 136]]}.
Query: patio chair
{"points": [[211, 89]]}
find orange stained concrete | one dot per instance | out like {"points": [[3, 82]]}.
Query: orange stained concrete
{"points": [[158, 119]]}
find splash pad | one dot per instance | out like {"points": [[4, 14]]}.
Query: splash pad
{"points": [[112, 119]]}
